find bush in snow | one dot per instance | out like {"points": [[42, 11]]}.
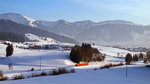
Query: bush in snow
{"points": [[1, 73], [148, 66], [43, 74], [95, 69], [85, 53], [38, 74], [106, 66], [9, 50], [62, 70], [72, 71], [17, 77], [32, 69], [110, 65], [54, 72], [2, 77], [35, 75], [128, 58], [59, 71]]}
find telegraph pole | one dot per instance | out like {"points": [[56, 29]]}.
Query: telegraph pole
{"points": [[126, 71], [40, 63]]}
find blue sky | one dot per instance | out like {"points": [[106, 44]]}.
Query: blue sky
{"points": [[76, 10]]}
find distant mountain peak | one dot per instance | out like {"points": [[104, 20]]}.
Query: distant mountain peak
{"points": [[10, 14], [62, 21], [18, 18], [84, 21], [117, 22]]}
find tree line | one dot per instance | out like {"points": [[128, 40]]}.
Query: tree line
{"points": [[13, 37], [133, 58], [85, 53]]}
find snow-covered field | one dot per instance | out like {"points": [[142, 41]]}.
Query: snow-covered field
{"points": [[23, 60], [136, 75]]}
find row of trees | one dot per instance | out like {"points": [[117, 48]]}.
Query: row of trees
{"points": [[129, 58]]}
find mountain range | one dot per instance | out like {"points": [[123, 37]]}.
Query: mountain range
{"points": [[111, 32], [10, 26]]}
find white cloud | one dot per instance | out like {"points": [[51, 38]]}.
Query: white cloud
{"points": [[133, 8], [116, 5], [106, 4]]}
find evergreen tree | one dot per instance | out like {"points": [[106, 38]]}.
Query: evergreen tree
{"points": [[135, 58], [9, 50], [128, 58]]}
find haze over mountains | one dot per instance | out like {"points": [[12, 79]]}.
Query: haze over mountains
{"points": [[10, 26], [112, 32]]}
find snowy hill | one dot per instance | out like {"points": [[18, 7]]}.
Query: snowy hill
{"points": [[41, 40], [18, 18]]}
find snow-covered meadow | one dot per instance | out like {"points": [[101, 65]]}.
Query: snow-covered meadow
{"points": [[25, 59], [136, 75]]}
